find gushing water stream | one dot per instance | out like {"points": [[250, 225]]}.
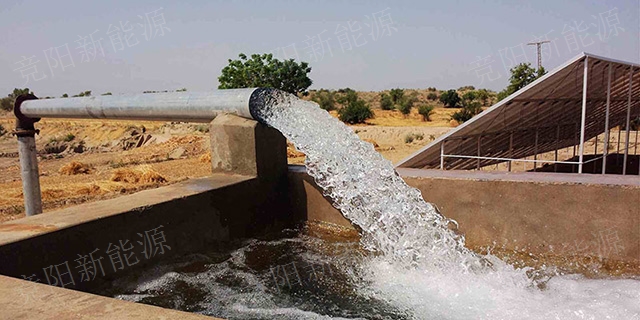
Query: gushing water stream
{"points": [[420, 264]]}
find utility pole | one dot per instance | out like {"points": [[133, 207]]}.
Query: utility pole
{"points": [[538, 45]]}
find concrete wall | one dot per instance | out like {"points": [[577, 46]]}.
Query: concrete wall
{"points": [[562, 214]]}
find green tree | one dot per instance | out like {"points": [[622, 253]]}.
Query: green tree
{"points": [[396, 95], [265, 71], [406, 104], [483, 96], [107, 94], [7, 102], [386, 102], [432, 96], [450, 98], [355, 110], [521, 75], [470, 107], [325, 99], [425, 111], [65, 96]]}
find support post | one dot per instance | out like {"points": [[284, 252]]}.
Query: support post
{"points": [[535, 152], [478, 164], [25, 132], [510, 150], [555, 157], [442, 155], [626, 142], [606, 124], [246, 147], [583, 118]]}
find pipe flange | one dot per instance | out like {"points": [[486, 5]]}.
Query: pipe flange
{"points": [[24, 124]]}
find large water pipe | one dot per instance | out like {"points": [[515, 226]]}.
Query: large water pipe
{"points": [[167, 106]]}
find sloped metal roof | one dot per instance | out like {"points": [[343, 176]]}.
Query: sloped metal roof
{"points": [[548, 110]]}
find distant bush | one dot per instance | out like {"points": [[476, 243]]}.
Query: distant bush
{"points": [[386, 102], [408, 138], [396, 95], [432, 96], [406, 104], [413, 136], [464, 88], [325, 99], [432, 89], [355, 110], [450, 98], [425, 111]]}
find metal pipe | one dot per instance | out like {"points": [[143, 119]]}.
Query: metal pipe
{"points": [[585, 78], [442, 155], [25, 132], [511, 150], [626, 142], [171, 106], [174, 106], [535, 152], [606, 124]]}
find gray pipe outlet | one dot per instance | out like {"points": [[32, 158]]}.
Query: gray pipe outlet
{"points": [[170, 106]]}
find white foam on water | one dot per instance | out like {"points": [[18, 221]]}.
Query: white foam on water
{"points": [[421, 265]]}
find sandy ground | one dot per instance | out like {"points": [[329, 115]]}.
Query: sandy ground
{"points": [[177, 151]]}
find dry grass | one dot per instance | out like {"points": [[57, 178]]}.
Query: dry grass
{"points": [[75, 167], [139, 175]]}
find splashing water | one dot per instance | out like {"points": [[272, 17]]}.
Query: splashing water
{"points": [[422, 265], [394, 219]]}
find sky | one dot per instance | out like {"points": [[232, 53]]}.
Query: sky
{"points": [[56, 47]]}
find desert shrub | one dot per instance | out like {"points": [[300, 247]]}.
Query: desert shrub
{"points": [[408, 138], [431, 89], [406, 104], [355, 110], [3, 131], [396, 95], [450, 98], [425, 111], [6, 104], [432, 96], [325, 99], [386, 102], [464, 88], [413, 136], [467, 112], [69, 137]]}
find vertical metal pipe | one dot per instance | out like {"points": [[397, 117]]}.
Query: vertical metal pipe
{"points": [[25, 132], [30, 175], [626, 142], [606, 124], [618, 148], [510, 150], [555, 157], [583, 119], [535, 152], [575, 143], [478, 164], [442, 155]]}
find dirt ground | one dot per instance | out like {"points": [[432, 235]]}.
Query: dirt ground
{"points": [[89, 160]]}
